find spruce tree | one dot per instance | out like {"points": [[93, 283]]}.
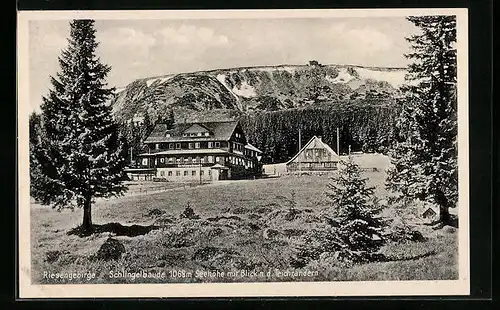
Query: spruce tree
{"points": [[425, 158], [354, 214], [80, 156]]}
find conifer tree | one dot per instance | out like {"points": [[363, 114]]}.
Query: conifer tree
{"points": [[425, 158], [80, 155], [35, 143], [354, 214]]}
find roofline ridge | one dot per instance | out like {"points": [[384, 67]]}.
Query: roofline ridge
{"points": [[309, 142]]}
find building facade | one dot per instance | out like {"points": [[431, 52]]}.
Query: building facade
{"points": [[203, 151], [314, 156]]}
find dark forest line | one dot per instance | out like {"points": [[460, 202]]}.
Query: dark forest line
{"points": [[364, 127]]}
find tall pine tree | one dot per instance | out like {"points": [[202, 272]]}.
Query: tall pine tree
{"points": [[79, 156], [354, 214], [425, 158]]}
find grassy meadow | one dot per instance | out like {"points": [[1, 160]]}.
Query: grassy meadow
{"points": [[245, 227]]}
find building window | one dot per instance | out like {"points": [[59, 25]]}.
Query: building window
{"points": [[157, 146], [210, 159], [170, 173], [177, 145], [167, 135], [197, 145], [162, 160], [199, 134], [195, 159], [193, 173], [217, 158], [178, 173], [210, 145], [170, 145], [144, 161], [171, 159], [209, 172], [162, 173], [185, 173], [178, 160], [207, 134], [189, 159], [201, 173], [191, 145], [217, 144], [183, 160]]}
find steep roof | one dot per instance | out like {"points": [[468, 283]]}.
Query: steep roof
{"points": [[253, 148], [315, 142], [218, 131]]}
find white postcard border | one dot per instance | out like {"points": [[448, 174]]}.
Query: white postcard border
{"points": [[361, 288]]}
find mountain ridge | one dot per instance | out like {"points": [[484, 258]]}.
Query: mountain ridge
{"points": [[381, 68], [256, 88]]}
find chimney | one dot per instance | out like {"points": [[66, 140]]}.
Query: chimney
{"points": [[320, 138]]}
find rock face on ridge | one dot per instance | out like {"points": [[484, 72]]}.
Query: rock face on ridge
{"points": [[242, 90]]}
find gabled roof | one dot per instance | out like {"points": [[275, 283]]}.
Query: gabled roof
{"points": [[219, 131], [218, 166], [315, 142], [253, 148], [195, 128]]}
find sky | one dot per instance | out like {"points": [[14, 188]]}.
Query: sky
{"points": [[143, 48]]}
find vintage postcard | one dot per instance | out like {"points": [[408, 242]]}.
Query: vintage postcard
{"points": [[243, 153]]}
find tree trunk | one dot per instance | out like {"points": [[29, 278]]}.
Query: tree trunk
{"points": [[444, 207], [87, 215], [444, 214]]}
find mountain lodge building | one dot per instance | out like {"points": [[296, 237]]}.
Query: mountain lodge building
{"points": [[316, 155], [201, 151]]}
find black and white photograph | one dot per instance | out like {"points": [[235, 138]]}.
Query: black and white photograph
{"points": [[243, 153]]}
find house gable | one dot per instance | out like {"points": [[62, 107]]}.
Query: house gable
{"points": [[197, 130], [315, 151], [221, 131]]}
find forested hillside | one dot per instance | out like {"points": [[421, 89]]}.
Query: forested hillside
{"points": [[363, 125]]}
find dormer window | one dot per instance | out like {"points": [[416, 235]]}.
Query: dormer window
{"points": [[207, 134], [199, 134], [167, 135]]}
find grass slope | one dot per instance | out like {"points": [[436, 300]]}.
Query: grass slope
{"points": [[243, 225]]}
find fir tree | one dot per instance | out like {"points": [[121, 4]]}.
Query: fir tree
{"points": [[425, 158], [146, 126], [354, 214], [80, 155], [169, 118], [35, 143]]}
